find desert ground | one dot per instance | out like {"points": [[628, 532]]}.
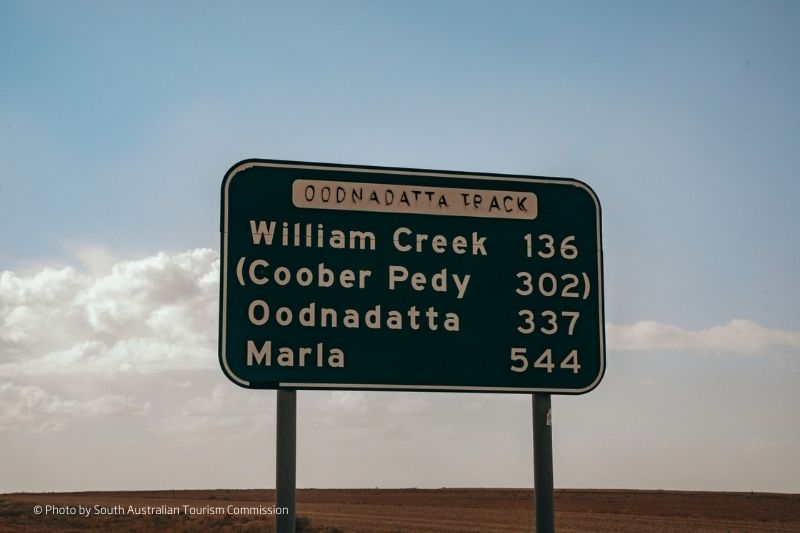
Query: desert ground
{"points": [[403, 510]]}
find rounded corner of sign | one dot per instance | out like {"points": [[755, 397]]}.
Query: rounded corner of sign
{"points": [[593, 385], [237, 168], [223, 363], [580, 184]]}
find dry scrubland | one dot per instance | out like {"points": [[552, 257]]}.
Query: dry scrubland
{"points": [[442, 510]]}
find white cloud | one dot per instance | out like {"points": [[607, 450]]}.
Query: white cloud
{"points": [[737, 336], [33, 407], [159, 313], [226, 408], [151, 314], [355, 402], [407, 406], [227, 400]]}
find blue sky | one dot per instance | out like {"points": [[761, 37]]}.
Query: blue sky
{"points": [[118, 121]]}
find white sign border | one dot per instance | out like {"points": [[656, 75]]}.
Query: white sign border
{"points": [[250, 163]]}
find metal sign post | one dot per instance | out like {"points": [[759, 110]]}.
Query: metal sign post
{"points": [[543, 463], [286, 460]]}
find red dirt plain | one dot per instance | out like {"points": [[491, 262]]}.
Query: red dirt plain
{"points": [[413, 510]]}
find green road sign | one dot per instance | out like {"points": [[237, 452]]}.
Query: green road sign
{"points": [[350, 277]]}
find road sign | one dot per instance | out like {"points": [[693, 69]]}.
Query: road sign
{"points": [[354, 277]]}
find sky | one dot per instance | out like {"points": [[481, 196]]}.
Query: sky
{"points": [[118, 121]]}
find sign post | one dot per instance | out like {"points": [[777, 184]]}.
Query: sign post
{"points": [[354, 277], [543, 463], [286, 460]]}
